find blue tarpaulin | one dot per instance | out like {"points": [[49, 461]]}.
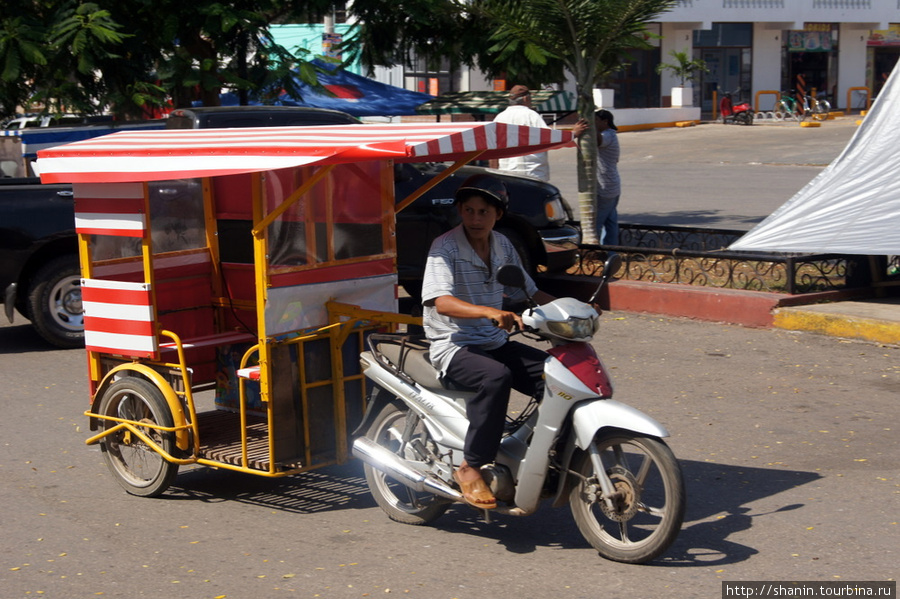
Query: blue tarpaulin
{"points": [[357, 95]]}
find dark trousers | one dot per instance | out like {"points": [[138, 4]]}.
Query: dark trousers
{"points": [[492, 373]]}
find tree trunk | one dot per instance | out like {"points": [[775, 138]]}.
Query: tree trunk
{"points": [[587, 161]]}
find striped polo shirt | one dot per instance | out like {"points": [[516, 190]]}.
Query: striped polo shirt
{"points": [[454, 268]]}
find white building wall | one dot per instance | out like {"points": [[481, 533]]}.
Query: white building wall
{"points": [[766, 65], [851, 61], [677, 37], [771, 17], [789, 14]]}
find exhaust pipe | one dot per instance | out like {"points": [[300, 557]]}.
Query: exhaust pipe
{"points": [[381, 459]]}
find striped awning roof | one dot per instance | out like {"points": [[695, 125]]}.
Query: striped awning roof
{"points": [[491, 102], [188, 153]]}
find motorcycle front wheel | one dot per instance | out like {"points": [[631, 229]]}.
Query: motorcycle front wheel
{"points": [[648, 507], [402, 432]]}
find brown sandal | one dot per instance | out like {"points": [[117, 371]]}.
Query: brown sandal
{"points": [[476, 492]]}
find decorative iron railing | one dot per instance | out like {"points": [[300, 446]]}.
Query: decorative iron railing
{"points": [[696, 256]]}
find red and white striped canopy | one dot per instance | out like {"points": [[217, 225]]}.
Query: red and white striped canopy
{"points": [[131, 156]]}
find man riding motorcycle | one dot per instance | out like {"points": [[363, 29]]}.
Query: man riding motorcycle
{"points": [[468, 328]]}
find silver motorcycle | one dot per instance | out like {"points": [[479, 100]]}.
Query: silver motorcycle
{"points": [[574, 445]]}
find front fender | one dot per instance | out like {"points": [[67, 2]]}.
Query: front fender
{"points": [[592, 416], [588, 419]]}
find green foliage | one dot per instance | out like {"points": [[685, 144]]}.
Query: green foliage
{"points": [[684, 67], [126, 56]]}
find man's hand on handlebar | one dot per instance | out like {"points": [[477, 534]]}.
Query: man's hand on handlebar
{"points": [[506, 320]]}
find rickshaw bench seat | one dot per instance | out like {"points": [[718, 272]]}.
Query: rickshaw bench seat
{"points": [[210, 341]]}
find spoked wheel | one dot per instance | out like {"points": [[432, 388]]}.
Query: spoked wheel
{"points": [[137, 466], [648, 506], [821, 110], [402, 432]]}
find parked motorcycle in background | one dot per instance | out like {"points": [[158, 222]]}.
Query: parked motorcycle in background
{"points": [[574, 445], [741, 113]]}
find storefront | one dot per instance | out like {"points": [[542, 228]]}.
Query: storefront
{"points": [[727, 51], [882, 54], [809, 60]]}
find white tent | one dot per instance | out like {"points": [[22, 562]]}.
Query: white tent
{"points": [[851, 207]]}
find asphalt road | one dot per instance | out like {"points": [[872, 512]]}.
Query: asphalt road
{"points": [[788, 443], [712, 175]]}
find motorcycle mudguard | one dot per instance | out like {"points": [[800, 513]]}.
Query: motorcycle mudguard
{"points": [[591, 416], [377, 400]]}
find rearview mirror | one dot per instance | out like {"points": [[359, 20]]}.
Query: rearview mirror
{"points": [[511, 275]]}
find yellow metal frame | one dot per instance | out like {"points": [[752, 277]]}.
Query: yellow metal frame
{"points": [[343, 321]]}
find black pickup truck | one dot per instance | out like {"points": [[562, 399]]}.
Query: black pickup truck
{"points": [[39, 268]]}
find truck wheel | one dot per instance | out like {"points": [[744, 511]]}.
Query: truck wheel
{"points": [[54, 302]]}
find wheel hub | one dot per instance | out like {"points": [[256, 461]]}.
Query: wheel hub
{"points": [[625, 500]]}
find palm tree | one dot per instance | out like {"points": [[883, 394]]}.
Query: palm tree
{"points": [[591, 38], [684, 67]]}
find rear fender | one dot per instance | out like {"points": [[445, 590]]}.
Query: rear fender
{"points": [[377, 401], [182, 440]]}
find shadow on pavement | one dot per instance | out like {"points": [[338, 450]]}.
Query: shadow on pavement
{"points": [[22, 338], [719, 499]]}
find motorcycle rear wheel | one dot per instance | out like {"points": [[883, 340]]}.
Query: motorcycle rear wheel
{"points": [[649, 509], [744, 118], [395, 428]]}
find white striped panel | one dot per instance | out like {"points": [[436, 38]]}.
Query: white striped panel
{"points": [[118, 311], [468, 140], [512, 136], [116, 222], [163, 168], [119, 341], [108, 284]]}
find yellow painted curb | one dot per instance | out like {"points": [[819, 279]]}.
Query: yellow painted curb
{"points": [[685, 123], [878, 331], [859, 122], [810, 124]]}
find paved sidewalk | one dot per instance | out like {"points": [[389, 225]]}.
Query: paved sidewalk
{"points": [[876, 320]]}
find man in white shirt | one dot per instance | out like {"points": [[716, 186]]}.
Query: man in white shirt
{"points": [[521, 113]]}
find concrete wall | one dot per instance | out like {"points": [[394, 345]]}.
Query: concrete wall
{"points": [[766, 66], [789, 14], [851, 61]]}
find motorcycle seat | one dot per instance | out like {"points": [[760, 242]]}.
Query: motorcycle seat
{"points": [[411, 356]]}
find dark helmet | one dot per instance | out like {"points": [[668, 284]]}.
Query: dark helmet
{"points": [[489, 187]]}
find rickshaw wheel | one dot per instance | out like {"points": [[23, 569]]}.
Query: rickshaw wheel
{"points": [[393, 430], [139, 468]]}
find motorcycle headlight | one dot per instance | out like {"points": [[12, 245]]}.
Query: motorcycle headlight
{"points": [[572, 328]]}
